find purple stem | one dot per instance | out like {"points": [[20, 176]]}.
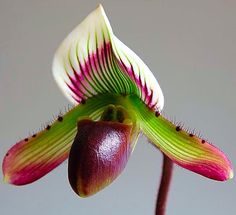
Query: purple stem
{"points": [[164, 186]]}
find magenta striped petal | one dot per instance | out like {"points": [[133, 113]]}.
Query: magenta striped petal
{"points": [[92, 61]]}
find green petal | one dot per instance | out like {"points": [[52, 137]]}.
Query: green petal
{"points": [[92, 60], [35, 156], [185, 149]]}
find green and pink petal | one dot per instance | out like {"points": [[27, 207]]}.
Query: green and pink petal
{"points": [[35, 156], [185, 149]]}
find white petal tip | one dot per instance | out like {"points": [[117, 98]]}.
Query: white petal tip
{"points": [[231, 174]]}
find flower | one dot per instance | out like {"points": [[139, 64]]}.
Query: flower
{"points": [[116, 97]]}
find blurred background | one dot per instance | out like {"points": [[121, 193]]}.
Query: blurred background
{"points": [[189, 45]]}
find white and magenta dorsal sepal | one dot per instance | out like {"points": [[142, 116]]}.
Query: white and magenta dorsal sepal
{"points": [[92, 60]]}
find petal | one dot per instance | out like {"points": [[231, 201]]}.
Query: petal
{"points": [[35, 156], [185, 149], [91, 61], [99, 154]]}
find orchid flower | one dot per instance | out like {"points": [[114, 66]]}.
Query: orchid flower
{"points": [[116, 98]]}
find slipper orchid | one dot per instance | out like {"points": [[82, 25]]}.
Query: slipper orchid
{"points": [[116, 97]]}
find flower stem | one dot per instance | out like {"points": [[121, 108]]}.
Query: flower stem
{"points": [[164, 186]]}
